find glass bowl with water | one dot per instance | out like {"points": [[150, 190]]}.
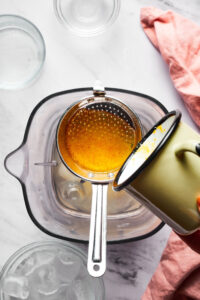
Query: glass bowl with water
{"points": [[49, 271], [22, 52]]}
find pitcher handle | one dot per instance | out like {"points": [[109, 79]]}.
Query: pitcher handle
{"points": [[190, 146], [98, 229]]}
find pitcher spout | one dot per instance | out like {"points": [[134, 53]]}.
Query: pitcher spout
{"points": [[16, 163]]}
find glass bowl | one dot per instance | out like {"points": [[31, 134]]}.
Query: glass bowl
{"points": [[22, 52], [88, 17], [49, 270]]}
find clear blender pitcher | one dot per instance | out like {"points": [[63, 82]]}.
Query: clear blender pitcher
{"points": [[57, 201]]}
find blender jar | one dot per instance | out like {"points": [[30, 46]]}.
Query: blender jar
{"points": [[57, 201]]}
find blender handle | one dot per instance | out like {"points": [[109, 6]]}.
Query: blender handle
{"points": [[190, 146], [98, 229]]}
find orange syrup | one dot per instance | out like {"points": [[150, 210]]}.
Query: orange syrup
{"points": [[98, 141]]}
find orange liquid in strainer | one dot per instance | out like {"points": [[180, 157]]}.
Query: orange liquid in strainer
{"points": [[98, 141]]}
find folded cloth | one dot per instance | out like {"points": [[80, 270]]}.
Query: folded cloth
{"points": [[178, 274], [178, 40]]}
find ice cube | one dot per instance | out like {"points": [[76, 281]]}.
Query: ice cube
{"points": [[44, 257], [66, 258], [60, 294], [44, 280], [82, 289], [67, 267], [16, 286], [26, 267]]}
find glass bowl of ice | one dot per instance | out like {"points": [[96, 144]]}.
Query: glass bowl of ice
{"points": [[51, 270]]}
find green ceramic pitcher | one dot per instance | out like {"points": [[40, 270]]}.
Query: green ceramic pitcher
{"points": [[163, 172]]}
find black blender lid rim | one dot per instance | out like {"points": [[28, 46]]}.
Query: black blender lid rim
{"points": [[177, 114]]}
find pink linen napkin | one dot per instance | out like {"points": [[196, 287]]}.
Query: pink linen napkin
{"points": [[178, 40], [178, 274]]}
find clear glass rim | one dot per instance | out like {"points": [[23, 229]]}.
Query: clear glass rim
{"points": [[90, 32], [12, 259], [39, 39]]}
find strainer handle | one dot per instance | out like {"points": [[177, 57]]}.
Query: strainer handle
{"points": [[98, 230]]}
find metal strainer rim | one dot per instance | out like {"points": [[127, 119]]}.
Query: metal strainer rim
{"points": [[92, 98]]}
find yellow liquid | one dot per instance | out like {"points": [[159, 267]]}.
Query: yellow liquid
{"points": [[98, 141]]}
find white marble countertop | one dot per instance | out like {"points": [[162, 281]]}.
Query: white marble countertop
{"points": [[122, 57]]}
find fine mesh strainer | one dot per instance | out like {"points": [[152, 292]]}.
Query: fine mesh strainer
{"points": [[94, 138]]}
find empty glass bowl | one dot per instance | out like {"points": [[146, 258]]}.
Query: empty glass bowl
{"points": [[88, 17], [22, 52], [49, 271]]}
